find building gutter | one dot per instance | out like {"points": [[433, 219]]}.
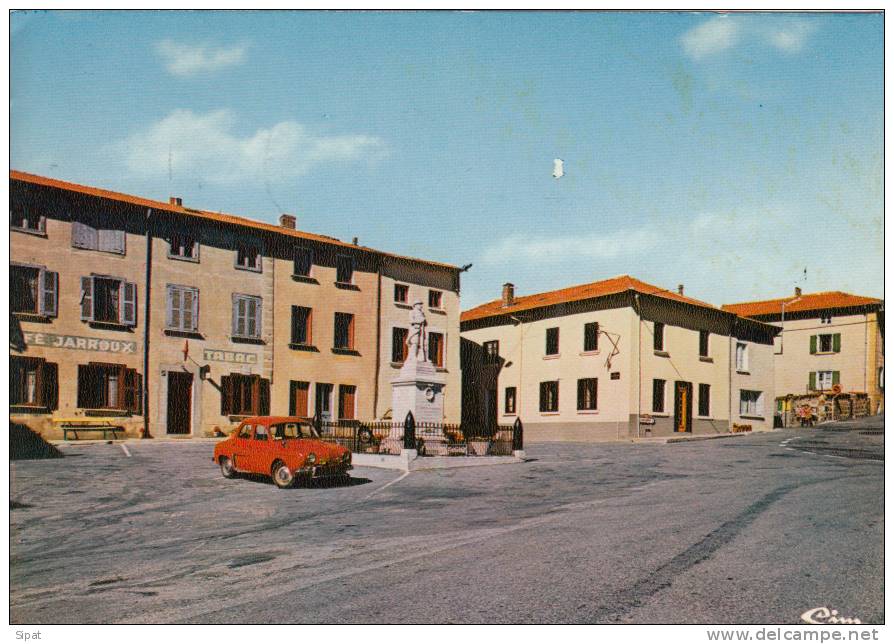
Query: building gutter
{"points": [[146, 307]]}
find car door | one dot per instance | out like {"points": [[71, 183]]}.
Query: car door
{"points": [[259, 450], [241, 444]]}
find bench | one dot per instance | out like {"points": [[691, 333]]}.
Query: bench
{"points": [[75, 425]]}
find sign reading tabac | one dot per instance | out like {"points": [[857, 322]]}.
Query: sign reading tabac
{"points": [[217, 355], [80, 343]]}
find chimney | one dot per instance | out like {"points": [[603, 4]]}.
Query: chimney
{"points": [[356, 241], [176, 201], [508, 293], [797, 291], [680, 289], [287, 221]]}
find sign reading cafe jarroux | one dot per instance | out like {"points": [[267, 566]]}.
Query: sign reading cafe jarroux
{"points": [[79, 342]]}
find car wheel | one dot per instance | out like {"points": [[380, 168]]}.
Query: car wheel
{"points": [[227, 468], [283, 477]]}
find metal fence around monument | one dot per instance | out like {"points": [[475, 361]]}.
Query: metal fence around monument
{"points": [[429, 439]]}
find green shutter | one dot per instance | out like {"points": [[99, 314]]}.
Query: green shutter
{"points": [[812, 385], [836, 343], [836, 377], [812, 344]]}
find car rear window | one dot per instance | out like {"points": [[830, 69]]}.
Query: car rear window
{"points": [[288, 430]]}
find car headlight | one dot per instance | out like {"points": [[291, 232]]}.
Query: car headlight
{"points": [[311, 458]]}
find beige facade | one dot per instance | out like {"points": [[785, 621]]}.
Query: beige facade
{"points": [[828, 342], [752, 379], [679, 381], [221, 316]]}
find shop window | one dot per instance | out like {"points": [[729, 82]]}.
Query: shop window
{"points": [[33, 382], [109, 386], [244, 395]]}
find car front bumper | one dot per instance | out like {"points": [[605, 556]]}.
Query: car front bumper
{"points": [[329, 470]]}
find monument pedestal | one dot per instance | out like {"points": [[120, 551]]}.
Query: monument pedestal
{"points": [[418, 389]]}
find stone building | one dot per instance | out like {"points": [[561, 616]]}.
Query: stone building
{"points": [[614, 359], [829, 341], [122, 305]]}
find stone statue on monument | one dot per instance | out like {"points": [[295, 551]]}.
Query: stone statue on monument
{"points": [[416, 338]]}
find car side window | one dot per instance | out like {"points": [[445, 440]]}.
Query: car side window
{"points": [[260, 433], [287, 430], [245, 431]]}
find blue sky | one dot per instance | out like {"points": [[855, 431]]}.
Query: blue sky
{"points": [[727, 153]]}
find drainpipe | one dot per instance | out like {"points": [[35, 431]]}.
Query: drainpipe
{"points": [[378, 338], [146, 307], [730, 365], [639, 362]]}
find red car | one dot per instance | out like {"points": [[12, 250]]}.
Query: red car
{"points": [[286, 448]]}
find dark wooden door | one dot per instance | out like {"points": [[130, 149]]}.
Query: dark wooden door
{"points": [[490, 401], [179, 402], [323, 407], [682, 406]]}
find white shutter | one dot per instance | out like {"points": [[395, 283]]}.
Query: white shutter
{"points": [[111, 241], [195, 309], [257, 318], [170, 307], [87, 298], [128, 301], [49, 293], [83, 236]]}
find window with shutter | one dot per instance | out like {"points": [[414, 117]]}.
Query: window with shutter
{"points": [[246, 316], [304, 261], [248, 256], [226, 395], [24, 287], [346, 395], [183, 246], [436, 349], [49, 293], [33, 382], [586, 394], [398, 344], [812, 344], [301, 325], [344, 270], [111, 241], [549, 396], [182, 308], [298, 397], [703, 337], [591, 336], [27, 219], [658, 339], [344, 331], [836, 343], [552, 341]]}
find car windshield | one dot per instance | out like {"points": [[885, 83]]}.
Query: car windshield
{"points": [[293, 430]]}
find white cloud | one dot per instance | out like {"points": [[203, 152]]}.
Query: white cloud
{"points": [[711, 37], [791, 38], [563, 248], [183, 59], [722, 33], [207, 146]]}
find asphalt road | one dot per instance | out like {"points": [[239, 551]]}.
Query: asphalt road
{"points": [[750, 529]]}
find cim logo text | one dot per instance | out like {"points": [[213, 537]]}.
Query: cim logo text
{"points": [[827, 616]]}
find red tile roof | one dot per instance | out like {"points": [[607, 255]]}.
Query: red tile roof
{"points": [[611, 286], [219, 217], [806, 302]]}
